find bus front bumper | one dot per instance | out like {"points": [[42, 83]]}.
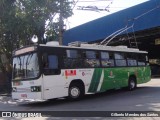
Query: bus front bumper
{"points": [[27, 96]]}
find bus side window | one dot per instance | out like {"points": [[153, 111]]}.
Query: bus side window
{"points": [[120, 59], [141, 59], [91, 59], [72, 59], [131, 59], [52, 62], [51, 65], [107, 59]]}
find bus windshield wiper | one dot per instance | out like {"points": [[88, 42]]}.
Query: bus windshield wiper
{"points": [[28, 62]]}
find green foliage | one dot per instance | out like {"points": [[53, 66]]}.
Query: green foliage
{"points": [[21, 19]]}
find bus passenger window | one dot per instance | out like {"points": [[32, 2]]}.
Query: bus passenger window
{"points": [[141, 59], [72, 53], [107, 59], [51, 64], [120, 59], [91, 59], [131, 59], [72, 59]]}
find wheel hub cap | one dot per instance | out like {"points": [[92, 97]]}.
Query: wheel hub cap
{"points": [[74, 92]]}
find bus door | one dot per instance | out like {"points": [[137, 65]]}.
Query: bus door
{"points": [[110, 78], [53, 79], [107, 61], [120, 71], [114, 78], [142, 61]]}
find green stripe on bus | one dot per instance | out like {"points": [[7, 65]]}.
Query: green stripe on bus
{"points": [[95, 80]]}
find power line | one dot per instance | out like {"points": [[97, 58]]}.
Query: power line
{"points": [[95, 0], [95, 7], [118, 32]]}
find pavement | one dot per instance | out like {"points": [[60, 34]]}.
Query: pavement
{"points": [[2, 93], [5, 91], [5, 94]]}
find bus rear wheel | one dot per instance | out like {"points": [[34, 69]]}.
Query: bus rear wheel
{"points": [[76, 92], [132, 84]]}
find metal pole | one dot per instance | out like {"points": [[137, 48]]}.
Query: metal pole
{"points": [[60, 24]]}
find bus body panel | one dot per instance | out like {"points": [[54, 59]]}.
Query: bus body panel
{"points": [[23, 89], [27, 95], [58, 85], [117, 78], [143, 74], [54, 86], [95, 78]]}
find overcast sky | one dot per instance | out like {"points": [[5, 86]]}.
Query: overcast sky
{"points": [[83, 16]]}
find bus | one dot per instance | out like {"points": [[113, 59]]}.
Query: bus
{"points": [[43, 72]]}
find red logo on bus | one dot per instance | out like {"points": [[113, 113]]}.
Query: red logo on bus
{"points": [[70, 72]]}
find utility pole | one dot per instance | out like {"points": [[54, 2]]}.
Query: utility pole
{"points": [[61, 23]]}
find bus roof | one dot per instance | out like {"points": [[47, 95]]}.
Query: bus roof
{"points": [[99, 47]]}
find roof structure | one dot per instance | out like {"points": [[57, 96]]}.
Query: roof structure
{"points": [[142, 16]]}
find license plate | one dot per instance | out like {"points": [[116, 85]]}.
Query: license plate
{"points": [[16, 83], [24, 95]]}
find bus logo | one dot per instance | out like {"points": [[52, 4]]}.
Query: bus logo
{"points": [[70, 72]]}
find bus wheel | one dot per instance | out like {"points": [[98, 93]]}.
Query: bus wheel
{"points": [[132, 83], [76, 91]]}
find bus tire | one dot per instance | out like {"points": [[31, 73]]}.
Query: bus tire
{"points": [[76, 91], [132, 84]]}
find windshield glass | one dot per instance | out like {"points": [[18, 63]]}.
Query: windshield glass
{"points": [[25, 66]]}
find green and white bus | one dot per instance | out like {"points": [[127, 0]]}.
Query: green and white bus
{"points": [[47, 71]]}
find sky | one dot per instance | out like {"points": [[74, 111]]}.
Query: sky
{"points": [[82, 16]]}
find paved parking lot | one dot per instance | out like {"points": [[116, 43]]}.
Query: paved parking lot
{"points": [[145, 98]]}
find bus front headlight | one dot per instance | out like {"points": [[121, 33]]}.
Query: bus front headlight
{"points": [[14, 89]]}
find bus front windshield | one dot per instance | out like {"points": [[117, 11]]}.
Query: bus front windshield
{"points": [[25, 66]]}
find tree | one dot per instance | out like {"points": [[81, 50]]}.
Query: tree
{"points": [[21, 19], [37, 12]]}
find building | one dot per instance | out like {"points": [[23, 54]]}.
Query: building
{"points": [[143, 30]]}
